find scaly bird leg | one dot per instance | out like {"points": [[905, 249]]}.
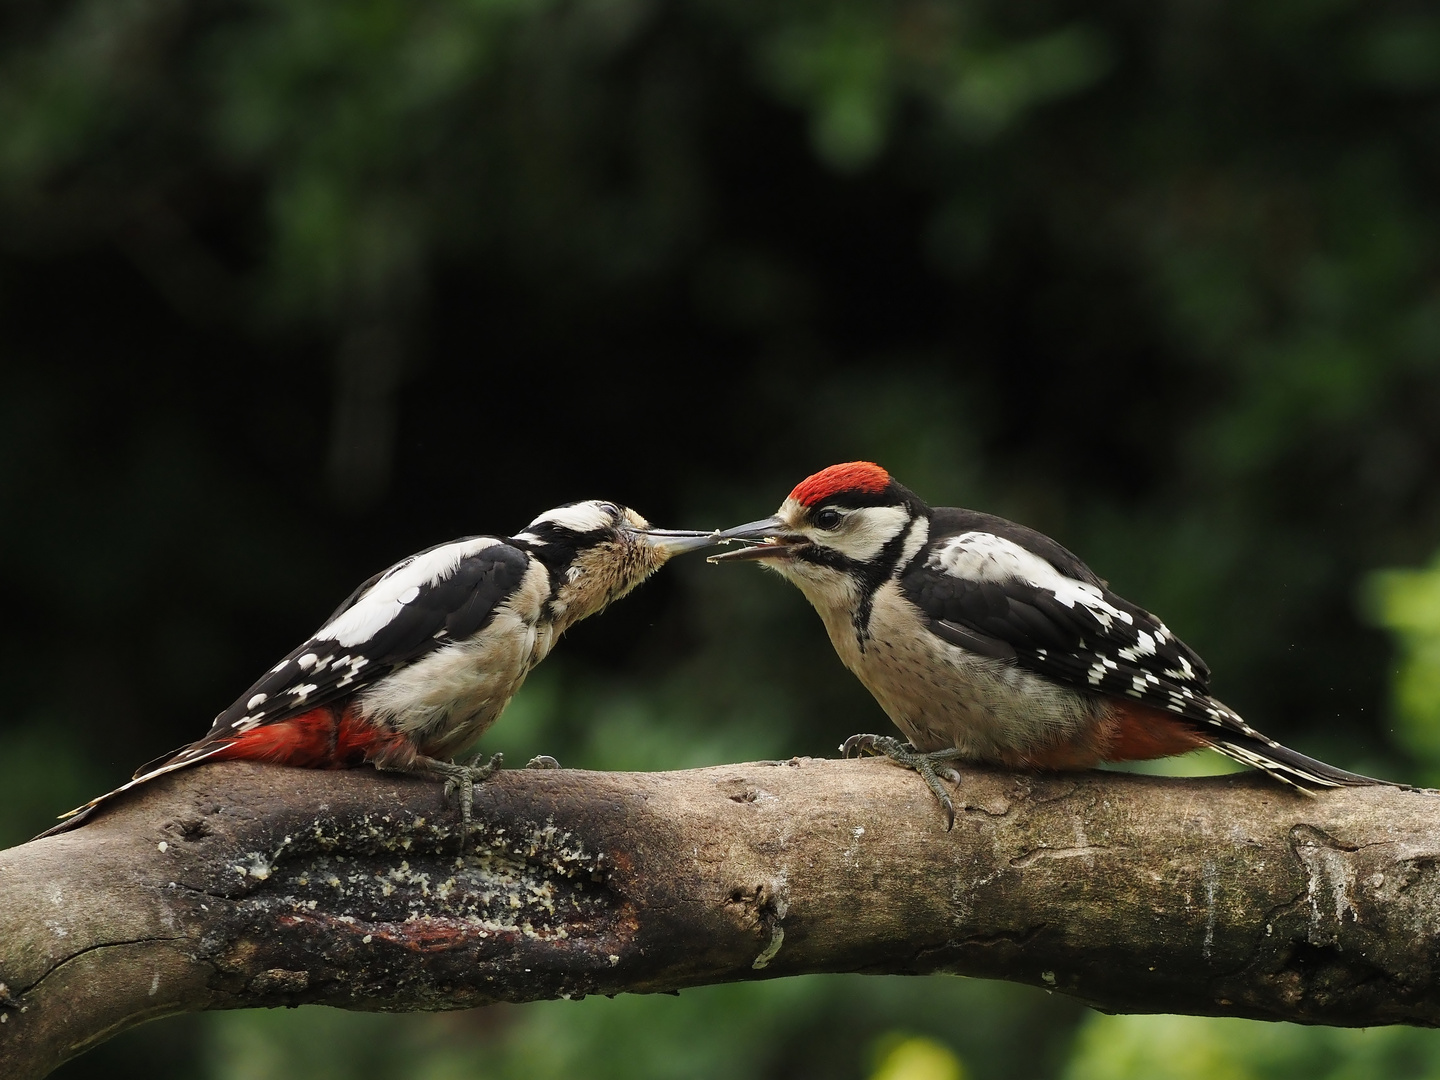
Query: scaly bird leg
{"points": [[930, 766], [461, 778]]}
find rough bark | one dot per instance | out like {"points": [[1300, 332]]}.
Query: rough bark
{"points": [[236, 885]]}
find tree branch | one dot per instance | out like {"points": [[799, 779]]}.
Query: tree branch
{"points": [[237, 885]]}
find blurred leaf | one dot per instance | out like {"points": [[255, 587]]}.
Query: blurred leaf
{"points": [[1407, 602], [990, 89], [912, 1057], [809, 1028], [1203, 1048], [839, 65], [1403, 53]]}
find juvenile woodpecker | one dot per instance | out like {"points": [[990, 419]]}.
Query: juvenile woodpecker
{"points": [[985, 641], [422, 658]]}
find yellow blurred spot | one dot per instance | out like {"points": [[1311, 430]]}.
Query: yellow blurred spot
{"points": [[915, 1058]]}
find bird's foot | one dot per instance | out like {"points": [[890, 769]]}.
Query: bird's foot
{"points": [[542, 761], [462, 779], [931, 766]]}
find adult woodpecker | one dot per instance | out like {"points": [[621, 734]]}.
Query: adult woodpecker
{"points": [[423, 657], [986, 641]]}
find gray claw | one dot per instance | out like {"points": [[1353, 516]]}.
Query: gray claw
{"points": [[928, 765], [458, 778], [542, 761], [463, 778], [861, 744]]}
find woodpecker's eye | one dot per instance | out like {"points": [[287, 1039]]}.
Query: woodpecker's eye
{"points": [[828, 519], [609, 508]]}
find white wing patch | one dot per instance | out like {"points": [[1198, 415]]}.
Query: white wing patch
{"points": [[983, 556], [400, 585]]}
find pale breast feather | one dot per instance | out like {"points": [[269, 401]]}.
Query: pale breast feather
{"points": [[442, 595]]}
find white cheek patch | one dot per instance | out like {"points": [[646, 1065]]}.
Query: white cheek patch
{"points": [[983, 556], [581, 518], [866, 531], [400, 585]]}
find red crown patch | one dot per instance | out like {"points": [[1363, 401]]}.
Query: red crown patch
{"points": [[863, 476]]}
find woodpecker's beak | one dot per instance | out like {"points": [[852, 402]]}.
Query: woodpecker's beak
{"points": [[672, 542], [769, 538]]}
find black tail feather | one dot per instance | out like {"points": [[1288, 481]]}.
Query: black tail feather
{"points": [[180, 759], [1291, 766]]}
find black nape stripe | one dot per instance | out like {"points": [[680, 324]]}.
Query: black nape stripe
{"points": [[874, 574]]}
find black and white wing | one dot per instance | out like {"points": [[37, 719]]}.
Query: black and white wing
{"points": [[996, 588], [433, 598], [993, 594], [437, 596]]}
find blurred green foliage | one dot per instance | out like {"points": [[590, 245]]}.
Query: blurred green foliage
{"points": [[714, 1032], [914, 1057], [290, 290], [1206, 1048], [1407, 602]]}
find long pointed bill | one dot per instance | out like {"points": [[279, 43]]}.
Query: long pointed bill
{"points": [[769, 538], [774, 549], [672, 542]]}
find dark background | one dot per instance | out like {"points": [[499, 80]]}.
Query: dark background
{"points": [[288, 291]]}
